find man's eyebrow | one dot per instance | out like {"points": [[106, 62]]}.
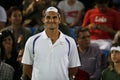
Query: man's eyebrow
{"points": [[52, 16]]}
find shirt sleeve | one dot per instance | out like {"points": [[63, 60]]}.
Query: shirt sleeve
{"points": [[74, 60], [28, 55]]}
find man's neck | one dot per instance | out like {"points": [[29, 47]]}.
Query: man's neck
{"points": [[82, 49], [53, 35], [117, 67]]}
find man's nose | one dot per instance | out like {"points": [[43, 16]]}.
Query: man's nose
{"points": [[51, 19]]}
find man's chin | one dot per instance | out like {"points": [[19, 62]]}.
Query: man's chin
{"points": [[51, 28]]}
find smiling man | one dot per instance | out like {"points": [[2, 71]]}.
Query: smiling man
{"points": [[50, 55]]}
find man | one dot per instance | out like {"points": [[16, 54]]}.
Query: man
{"points": [[103, 23], [50, 54], [113, 71], [90, 56]]}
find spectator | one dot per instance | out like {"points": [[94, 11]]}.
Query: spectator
{"points": [[57, 55], [72, 11], [103, 23], [3, 17], [90, 56], [9, 52], [113, 71], [6, 71]]}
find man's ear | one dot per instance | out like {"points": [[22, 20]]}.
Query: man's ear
{"points": [[43, 19], [59, 20]]}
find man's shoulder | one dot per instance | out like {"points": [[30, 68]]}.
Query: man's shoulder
{"points": [[35, 36], [68, 38]]}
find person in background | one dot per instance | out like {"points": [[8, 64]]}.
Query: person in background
{"points": [[113, 70], [20, 32], [103, 23], [3, 17], [6, 71], [50, 55], [9, 52], [90, 56], [72, 11]]}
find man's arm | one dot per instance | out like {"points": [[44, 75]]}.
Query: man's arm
{"points": [[27, 69]]}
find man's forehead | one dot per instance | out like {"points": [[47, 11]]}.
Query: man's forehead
{"points": [[51, 13]]}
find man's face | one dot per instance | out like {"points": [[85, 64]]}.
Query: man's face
{"points": [[102, 7], [84, 39], [115, 56], [51, 20]]}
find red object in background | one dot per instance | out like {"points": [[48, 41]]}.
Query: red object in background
{"points": [[82, 75]]}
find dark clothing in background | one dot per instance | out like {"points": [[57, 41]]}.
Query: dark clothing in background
{"points": [[8, 3]]}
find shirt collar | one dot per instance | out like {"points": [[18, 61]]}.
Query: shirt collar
{"points": [[44, 35]]}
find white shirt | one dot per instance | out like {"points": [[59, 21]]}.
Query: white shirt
{"points": [[51, 61], [3, 15], [70, 11]]}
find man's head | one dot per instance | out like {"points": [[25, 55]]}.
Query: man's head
{"points": [[115, 53], [102, 5], [83, 37], [52, 18]]}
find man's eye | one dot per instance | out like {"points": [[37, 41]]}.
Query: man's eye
{"points": [[54, 17], [48, 17]]}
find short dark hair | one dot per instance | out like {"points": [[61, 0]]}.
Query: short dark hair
{"points": [[81, 29]]}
